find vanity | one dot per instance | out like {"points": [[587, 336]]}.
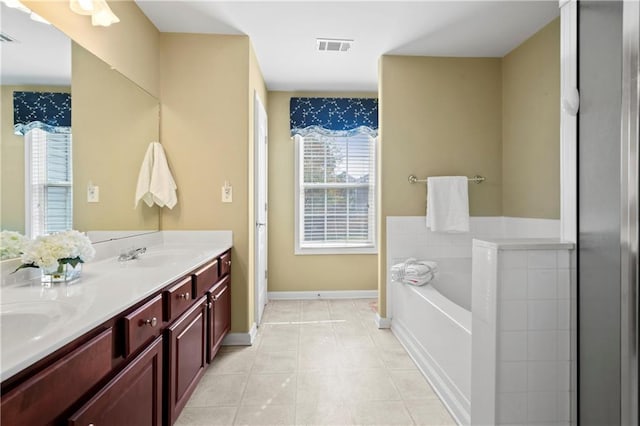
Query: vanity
{"points": [[127, 343]]}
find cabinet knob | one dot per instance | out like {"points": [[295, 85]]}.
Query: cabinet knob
{"points": [[184, 296], [228, 262], [209, 305], [150, 322]]}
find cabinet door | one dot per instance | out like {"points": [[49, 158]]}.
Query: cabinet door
{"points": [[133, 397], [186, 356], [221, 301]]}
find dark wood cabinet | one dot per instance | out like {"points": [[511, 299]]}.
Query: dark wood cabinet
{"points": [[139, 368], [219, 315], [133, 397], [43, 398], [187, 343]]}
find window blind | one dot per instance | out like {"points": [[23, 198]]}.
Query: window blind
{"points": [[337, 191], [50, 173]]}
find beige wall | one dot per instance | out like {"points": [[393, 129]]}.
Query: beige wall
{"points": [[531, 126], [205, 130], [113, 121], [12, 160], [439, 116], [288, 272], [130, 46]]}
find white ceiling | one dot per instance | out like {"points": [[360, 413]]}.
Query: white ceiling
{"points": [[283, 33], [41, 54]]}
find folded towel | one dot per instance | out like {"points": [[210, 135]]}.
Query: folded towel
{"points": [[448, 204], [414, 272], [155, 182]]}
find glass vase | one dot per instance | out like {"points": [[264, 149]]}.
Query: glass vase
{"points": [[65, 273]]}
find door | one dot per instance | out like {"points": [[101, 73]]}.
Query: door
{"points": [[599, 212], [220, 315], [260, 136]]}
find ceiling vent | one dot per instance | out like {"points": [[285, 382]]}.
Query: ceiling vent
{"points": [[5, 38], [333, 45]]}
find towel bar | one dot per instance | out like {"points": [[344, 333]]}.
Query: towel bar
{"points": [[474, 179]]}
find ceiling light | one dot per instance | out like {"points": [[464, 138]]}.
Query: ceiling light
{"points": [[333, 45], [101, 14], [82, 7]]}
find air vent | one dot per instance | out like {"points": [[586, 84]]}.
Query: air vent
{"points": [[333, 45], [5, 38]]}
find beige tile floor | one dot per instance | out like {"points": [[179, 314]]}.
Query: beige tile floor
{"points": [[317, 362]]}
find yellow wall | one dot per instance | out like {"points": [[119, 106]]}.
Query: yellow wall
{"points": [[439, 116], [288, 272], [12, 160], [205, 129], [113, 121], [531, 126], [130, 46]]}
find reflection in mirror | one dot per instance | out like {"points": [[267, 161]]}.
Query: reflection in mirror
{"points": [[112, 123]]}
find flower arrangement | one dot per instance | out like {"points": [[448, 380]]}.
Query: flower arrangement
{"points": [[51, 252], [11, 244]]}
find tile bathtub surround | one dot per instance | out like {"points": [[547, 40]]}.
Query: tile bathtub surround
{"points": [[532, 323], [315, 362]]}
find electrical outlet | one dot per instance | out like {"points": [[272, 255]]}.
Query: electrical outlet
{"points": [[93, 194], [227, 193]]}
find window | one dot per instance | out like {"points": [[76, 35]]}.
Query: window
{"points": [[49, 191], [335, 195]]}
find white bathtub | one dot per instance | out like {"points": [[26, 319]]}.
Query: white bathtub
{"points": [[433, 322]]}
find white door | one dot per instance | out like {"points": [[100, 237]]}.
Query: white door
{"points": [[260, 136]]}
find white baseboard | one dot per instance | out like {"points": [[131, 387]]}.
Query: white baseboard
{"points": [[241, 339], [382, 322], [321, 294]]}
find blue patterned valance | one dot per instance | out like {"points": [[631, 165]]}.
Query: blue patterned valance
{"points": [[333, 114], [47, 110]]}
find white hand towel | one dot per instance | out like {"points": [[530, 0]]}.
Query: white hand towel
{"points": [[155, 182], [144, 178], [448, 204]]}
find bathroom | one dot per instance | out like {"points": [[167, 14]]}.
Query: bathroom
{"points": [[196, 78]]}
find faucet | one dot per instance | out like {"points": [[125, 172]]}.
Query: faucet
{"points": [[132, 254]]}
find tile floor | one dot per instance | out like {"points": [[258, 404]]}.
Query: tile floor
{"points": [[316, 362]]}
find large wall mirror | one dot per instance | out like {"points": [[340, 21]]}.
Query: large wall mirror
{"points": [[112, 123]]}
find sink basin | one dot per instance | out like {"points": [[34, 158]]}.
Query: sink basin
{"points": [[28, 321]]}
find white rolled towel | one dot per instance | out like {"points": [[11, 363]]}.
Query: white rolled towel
{"points": [[414, 272]]}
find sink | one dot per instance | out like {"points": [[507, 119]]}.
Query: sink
{"points": [[28, 321]]}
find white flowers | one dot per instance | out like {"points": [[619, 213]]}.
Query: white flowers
{"points": [[48, 252], [11, 244]]}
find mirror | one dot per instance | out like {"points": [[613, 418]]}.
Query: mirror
{"points": [[112, 123]]}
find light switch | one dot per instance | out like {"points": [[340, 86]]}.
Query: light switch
{"points": [[93, 193], [227, 193]]}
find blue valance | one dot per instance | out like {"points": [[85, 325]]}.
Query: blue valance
{"points": [[334, 114], [46, 110]]}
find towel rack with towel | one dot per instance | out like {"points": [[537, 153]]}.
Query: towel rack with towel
{"points": [[474, 179]]}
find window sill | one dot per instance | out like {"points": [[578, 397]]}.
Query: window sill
{"points": [[302, 251]]}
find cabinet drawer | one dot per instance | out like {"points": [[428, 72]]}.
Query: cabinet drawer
{"points": [[205, 277], [142, 325], [178, 298], [225, 264], [45, 396]]}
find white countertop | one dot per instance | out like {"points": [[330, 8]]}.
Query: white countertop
{"points": [[42, 320], [524, 243]]}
